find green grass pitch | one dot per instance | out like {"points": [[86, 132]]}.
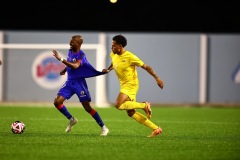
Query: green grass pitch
{"points": [[193, 133]]}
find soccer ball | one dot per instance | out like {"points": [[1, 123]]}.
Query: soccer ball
{"points": [[18, 127]]}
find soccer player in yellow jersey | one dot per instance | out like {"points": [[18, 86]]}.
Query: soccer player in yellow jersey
{"points": [[125, 66]]}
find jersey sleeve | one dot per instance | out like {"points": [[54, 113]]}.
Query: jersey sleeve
{"points": [[81, 58], [136, 61]]}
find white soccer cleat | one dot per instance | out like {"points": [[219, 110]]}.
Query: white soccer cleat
{"points": [[72, 122], [105, 131]]}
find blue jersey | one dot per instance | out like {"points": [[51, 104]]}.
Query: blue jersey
{"points": [[76, 83], [85, 70]]}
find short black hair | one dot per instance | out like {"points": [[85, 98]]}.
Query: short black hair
{"points": [[79, 39], [120, 39]]}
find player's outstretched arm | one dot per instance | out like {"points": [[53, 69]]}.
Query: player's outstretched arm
{"points": [[152, 72], [74, 65]]}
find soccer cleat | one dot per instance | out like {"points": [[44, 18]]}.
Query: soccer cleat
{"points": [[105, 131], [148, 110], [155, 132], [72, 122]]}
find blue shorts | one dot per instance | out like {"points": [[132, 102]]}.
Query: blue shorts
{"points": [[78, 87]]}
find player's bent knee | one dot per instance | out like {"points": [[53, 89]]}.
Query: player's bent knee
{"points": [[117, 106], [56, 102], [130, 112]]}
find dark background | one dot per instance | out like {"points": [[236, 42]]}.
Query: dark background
{"points": [[125, 15]]}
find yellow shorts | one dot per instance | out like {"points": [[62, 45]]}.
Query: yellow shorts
{"points": [[130, 90]]}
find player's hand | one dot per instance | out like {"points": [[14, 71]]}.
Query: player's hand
{"points": [[160, 83], [105, 70], [55, 54], [62, 72]]}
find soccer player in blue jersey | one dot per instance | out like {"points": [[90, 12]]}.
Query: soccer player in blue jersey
{"points": [[78, 68], [125, 64]]}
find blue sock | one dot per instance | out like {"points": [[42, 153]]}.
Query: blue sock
{"points": [[64, 111], [97, 118]]}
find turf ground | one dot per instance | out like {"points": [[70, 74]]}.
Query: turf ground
{"points": [[195, 133]]}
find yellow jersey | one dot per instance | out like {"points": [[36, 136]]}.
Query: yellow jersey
{"points": [[125, 67]]}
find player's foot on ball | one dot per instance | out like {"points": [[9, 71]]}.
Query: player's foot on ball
{"points": [[148, 110], [72, 122], [105, 131], [155, 132]]}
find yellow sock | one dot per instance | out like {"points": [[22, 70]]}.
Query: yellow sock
{"points": [[132, 105], [144, 120]]}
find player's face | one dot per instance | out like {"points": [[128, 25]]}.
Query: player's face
{"points": [[73, 44], [116, 48]]}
